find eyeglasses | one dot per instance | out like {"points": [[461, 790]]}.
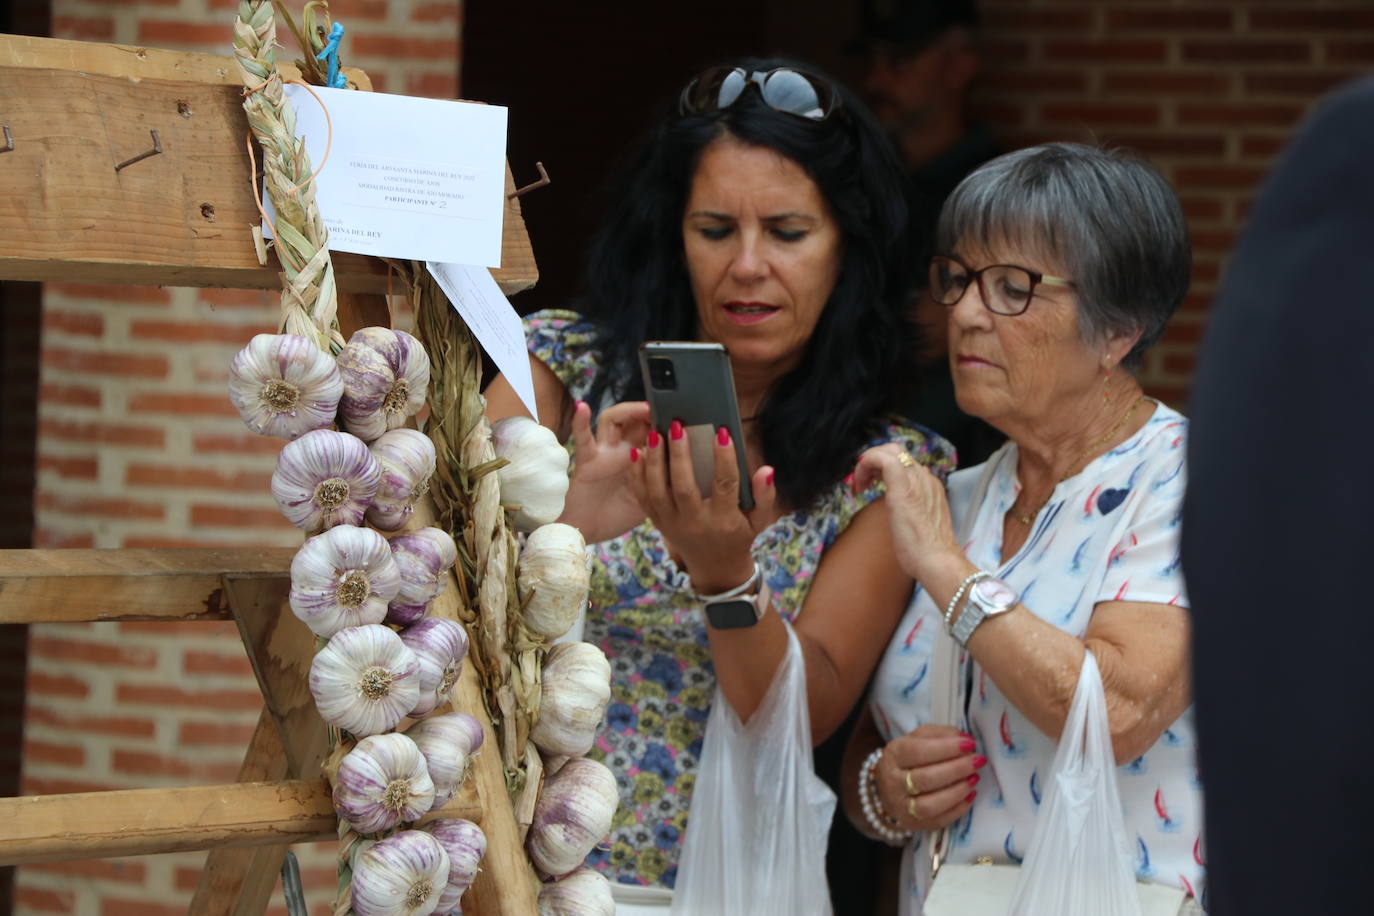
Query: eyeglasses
{"points": [[782, 89], [1006, 289]]}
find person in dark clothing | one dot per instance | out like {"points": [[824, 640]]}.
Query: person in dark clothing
{"points": [[1271, 541]]}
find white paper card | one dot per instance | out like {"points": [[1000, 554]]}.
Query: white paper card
{"points": [[420, 179], [493, 320]]}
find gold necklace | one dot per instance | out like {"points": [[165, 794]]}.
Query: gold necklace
{"points": [[1030, 516]]}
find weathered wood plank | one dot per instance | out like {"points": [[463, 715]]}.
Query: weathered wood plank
{"points": [[135, 822], [65, 586]]}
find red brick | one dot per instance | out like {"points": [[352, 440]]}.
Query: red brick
{"points": [[1171, 144], [69, 395], [194, 332], [159, 695], [83, 28], [99, 292], [126, 726], [106, 363], [115, 907], [1037, 20], [157, 475], [405, 47], [212, 443], [235, 298], [1219, 176], [102, 508], [1181, 333], [1202, 208], [216, 663], [55, 685], [1005, 51], [1157, 20], [1262, 147], [70, 468], [1205, 271], [155, 541], [37, 786], [435, 12], [100, 653], [1303, 83], [1339, 19], [1218, 240], [60, 754], [1350, 52], [214, 405], [105, 433], [1173, 395], [432, 85], [1077, 113], [119, 870], [1004, 115], [1240, 114], [1034, 81], [85, 324], [169, 34], [176, 629], [142, 763], [1156, 83], [215, 733], [45, 538], [1179, 363], [231, 517], [44, 900], [1215, 52], [1105, 51]]}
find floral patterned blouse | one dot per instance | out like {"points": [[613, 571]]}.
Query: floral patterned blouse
{"points": [[644, 618]]}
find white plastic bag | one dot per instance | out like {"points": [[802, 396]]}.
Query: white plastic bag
{"points": [[1079, 862], [756, 833]]}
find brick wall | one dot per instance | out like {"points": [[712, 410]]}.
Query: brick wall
{"points": [[139, 447]]}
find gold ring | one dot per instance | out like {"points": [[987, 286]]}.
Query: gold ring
{"points": [[905, 459], [911, 806], [910, 789]]}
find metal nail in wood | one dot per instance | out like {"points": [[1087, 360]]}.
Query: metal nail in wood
{"points": [[9, 139], [543, 180], [157, 148]]}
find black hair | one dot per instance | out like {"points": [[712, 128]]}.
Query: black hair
{"points": [[860, 358]]}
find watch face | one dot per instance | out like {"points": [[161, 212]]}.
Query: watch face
{"points": [[995, 595], [729, 615]]}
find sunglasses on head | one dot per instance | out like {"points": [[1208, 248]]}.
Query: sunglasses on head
{"points": [[782, 89]]}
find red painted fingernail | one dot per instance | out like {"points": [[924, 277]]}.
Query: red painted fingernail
{"points": [[675, 430], [979, 762], [967, 745], [769, 479], [723, 436], [973, 780], [579, 405], [971, 796], [654, 438], [634, 454]]}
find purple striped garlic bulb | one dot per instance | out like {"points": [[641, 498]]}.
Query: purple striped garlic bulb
{"points": [[535, 477], [440, 645], [424, 558], [576, 688], [447, 743], [365, 680], [325, 478], [343, 578], [382, 782], [402, 875], [282, 385], [585, 892], [407, 460], [385, 377], [572, 815], [465, 844]]}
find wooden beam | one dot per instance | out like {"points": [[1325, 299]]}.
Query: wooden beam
{"points": [[136, 822], [66, 586]]}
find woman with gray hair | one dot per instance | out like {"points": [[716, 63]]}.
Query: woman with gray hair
{"points": [[1060, 265]]}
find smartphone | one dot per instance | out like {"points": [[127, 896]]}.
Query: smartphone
{"points": [[692, 383]]}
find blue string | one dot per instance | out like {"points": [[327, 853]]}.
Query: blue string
{"points": [[336, 80]]}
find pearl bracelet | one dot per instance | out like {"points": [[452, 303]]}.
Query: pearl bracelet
{"points": [[963, 587], [882, 825]]}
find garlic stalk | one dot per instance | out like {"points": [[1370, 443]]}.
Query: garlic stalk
{"points": [[585, 892], [572, 815], [440, 645], [283, 385], [407, 460], [385, 376], [553, 566], [365, 680], [447, 743], [382, 782], [576, 688], [423, 557], [325, 478], [343, 578], [402, 875], [536, 478], [465, 844]]}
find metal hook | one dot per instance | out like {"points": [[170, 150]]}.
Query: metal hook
{"points": [[9, 139], [157, 148], [543, 180]]}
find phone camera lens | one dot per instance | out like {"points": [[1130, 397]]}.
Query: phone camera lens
{"points": [[661, 374]]}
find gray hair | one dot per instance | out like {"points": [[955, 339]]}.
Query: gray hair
{"points": [[1107, 216]]}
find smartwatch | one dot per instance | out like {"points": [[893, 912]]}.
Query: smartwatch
{"points": [[738, 607], [986, 598]]}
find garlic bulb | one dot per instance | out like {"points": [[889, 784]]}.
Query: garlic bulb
{"points": [[382, 782], [423, 557], [284, 386], [536, 479], [407, 460], [385, 376], [553, 565], [572, 815], [365, 680], [447, 742], [585, 892], [402, 875], [440, 645], [325, 478], [465, 844], [576, 688], [343, 578]]}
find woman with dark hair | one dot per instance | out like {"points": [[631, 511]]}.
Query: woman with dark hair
{"points": [[1060, 265], [764, 214]]}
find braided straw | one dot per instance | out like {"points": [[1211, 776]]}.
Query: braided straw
{"points": [[309, 302]]}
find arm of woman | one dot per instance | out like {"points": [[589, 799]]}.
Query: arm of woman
{"points": [[550, 396]]}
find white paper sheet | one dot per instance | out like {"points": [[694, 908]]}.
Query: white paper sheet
{"points": [[494, 321], [421, 179]]}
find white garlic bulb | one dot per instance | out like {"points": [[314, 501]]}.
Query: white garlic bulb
{"points": [[465, 844], [407, 460], [343, 578], [536, 479], [402, 875], [553, 566], [423, 556], [365, 680], [576, 688], [385, 377], [585, 892], [382, 782], [325, 478], [447, 743], [572, 815], [440, 645], [284, 386]]}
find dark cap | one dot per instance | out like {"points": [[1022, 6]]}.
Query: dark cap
{"points": [[910, 25]]}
